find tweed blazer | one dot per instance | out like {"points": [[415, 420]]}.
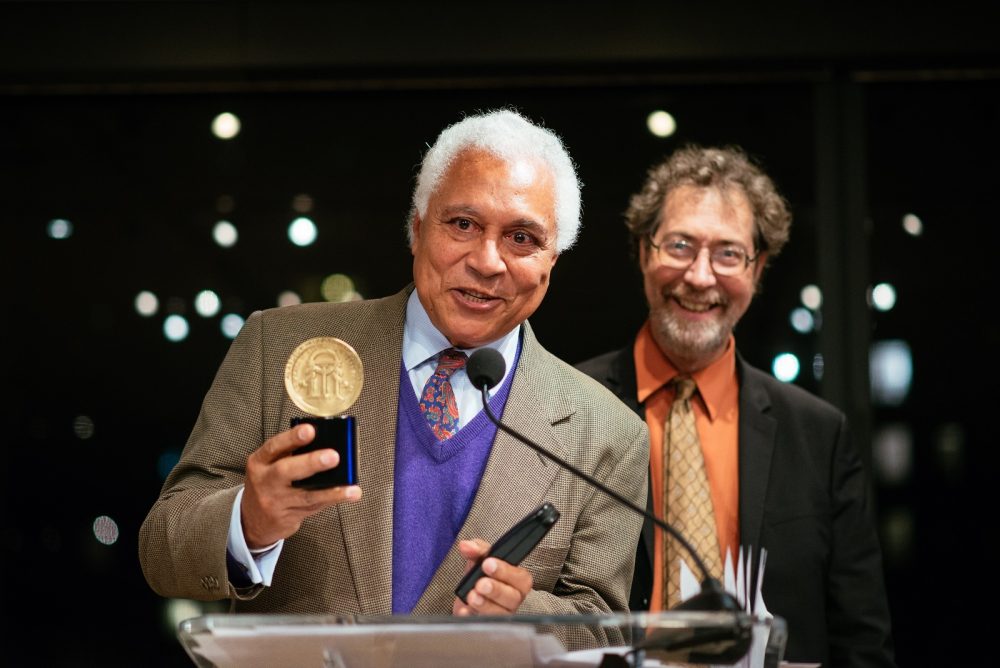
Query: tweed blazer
{"points": [[804, 496], [340, 560]]}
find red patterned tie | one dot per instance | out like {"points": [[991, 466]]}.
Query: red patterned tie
{"points": [[437, 400]]}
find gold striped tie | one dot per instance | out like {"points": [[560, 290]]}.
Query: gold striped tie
{"points": [[686, 496]]}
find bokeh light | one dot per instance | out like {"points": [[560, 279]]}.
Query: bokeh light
{"points": [[289, 298], [231, 324], [60, 228], [226, 125], [661, 123], [302, 231], [891, 371], [337, 288], [176, 328], [146, 304], [207, 303], [105, 530], [83, 427], [818, 365], [225, 234], [802, 320], [882, 297], [913, 225], [785, 367], [302, 203], [166, 462], [812, 297]]}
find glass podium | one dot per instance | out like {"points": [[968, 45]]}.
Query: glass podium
{"points": [[575, 641]]}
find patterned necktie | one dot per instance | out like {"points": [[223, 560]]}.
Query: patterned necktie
{"points": [[686, 496], [437, 400]]}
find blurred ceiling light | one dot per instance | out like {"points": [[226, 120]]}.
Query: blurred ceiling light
{"points": [[812, 297], [898, 534], [176, 328], [226, 125], [661, 124], [225, 234], [177, 610], [950, 445], [302, 203], [60, 228], [890, 366], [818, 365], [207, 303], [913, 225], [802, 320], [785, 367], [105, 530], [882, 297], [231, 325], [289, 298], [892, 452], [146, 303], [337, 288], [302, 231], [83, 427]]}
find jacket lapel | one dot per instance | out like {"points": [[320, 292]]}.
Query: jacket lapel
{"points": [[516, 478], [367, 524], [757, 431], [622, 381]]}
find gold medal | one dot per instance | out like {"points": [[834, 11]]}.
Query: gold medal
{"points": [[324, 376]]}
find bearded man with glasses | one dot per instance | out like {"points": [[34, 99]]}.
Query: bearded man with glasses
{"points": [[776, 470]]}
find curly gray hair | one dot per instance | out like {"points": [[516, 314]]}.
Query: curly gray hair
{"points": [[508, 135], [711, 167]]}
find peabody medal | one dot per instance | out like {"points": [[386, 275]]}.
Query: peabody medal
{"points": [[324, 376]]}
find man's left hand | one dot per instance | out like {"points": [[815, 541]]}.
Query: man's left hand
{"points": [[500, 592]]}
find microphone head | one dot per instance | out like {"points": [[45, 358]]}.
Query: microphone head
{"points": [[716, 644], [486, 367], [711, 598]]}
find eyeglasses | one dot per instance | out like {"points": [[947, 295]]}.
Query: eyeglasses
{"points": [[679, 252]]}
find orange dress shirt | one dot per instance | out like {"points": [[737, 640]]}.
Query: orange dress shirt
{"points": [[716, 409]]}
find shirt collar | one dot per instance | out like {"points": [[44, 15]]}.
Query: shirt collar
{"points": [[422, 340], [653, 370]]}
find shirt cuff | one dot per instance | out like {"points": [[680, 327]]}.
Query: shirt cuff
{"points": [[258, 564]]}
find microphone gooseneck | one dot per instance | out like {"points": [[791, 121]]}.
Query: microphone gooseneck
{"points": [[485, 369]]}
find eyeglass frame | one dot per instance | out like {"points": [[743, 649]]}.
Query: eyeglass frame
{"points": [[658, 248]]}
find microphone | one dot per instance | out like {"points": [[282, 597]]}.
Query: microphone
{"points": [[485, 368]]}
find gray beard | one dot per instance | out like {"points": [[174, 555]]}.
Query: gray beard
{"points": [[689, 341]]}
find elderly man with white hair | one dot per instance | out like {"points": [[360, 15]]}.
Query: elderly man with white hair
{"points": [[496, 202]]}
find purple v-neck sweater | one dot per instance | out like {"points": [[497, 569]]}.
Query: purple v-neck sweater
{"points": [[435, 483]]}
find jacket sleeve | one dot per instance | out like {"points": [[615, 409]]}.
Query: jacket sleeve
{"points": [[182, 542], [596, 575], [857, 609]]}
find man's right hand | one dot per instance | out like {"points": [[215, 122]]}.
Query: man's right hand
{"points": [[271, 508]]}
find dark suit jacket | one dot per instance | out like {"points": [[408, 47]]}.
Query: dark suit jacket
{"points": [[804, 498], [340, 560]]}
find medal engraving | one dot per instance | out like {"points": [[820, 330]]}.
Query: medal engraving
{"points": [[324, 376]]}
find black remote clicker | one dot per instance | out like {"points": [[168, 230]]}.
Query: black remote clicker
{"points": [[514, 545]]}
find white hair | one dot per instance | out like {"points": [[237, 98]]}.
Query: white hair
{"points": [[509, 136]]}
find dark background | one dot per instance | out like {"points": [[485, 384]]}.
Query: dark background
{"points": [[860, 112]]}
